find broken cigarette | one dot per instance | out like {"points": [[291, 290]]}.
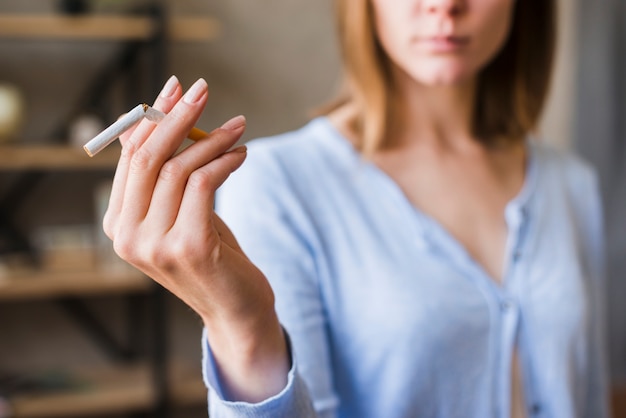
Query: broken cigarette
{"points": [[110, 134]]}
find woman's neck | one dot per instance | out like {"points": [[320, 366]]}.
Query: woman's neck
{"points": [[439, 116]]}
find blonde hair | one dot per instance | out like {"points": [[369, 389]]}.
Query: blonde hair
{"points": [[511, 89]]}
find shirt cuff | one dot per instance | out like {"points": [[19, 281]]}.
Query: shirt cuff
{"points": [[292, 398]]}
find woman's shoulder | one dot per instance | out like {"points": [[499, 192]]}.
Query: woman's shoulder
{"points": [[316, 136], [302, 159], [565, 161], [303, 152], [564, 168]]}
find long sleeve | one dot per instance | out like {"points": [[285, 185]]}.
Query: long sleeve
{"points": [[275, 233], [293, 399], [598, 395]]}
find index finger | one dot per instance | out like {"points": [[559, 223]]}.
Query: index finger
{"points": [[145, 164], [166, 100]]}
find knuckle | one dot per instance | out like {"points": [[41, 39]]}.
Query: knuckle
{"points": [[167, 257], [222, 140], [172, 170], [129, 250], [125, 248], [201, 180], [142, 160], [127, 151], [177, 252], [156, 255], [129, 148], [108, 225]]}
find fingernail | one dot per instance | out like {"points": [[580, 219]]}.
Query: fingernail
{"points": [[235, 123], [196, 91], [169, 88], [241, 149]]}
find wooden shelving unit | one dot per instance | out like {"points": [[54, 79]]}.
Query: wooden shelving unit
{"points": [[138, 28], [40, 284], [130, 384], [110, 390], [56, 157], [106, 391]]}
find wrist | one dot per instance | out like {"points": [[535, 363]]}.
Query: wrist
{"points": [[252, 358]]}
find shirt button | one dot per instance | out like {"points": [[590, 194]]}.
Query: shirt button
{"points": [[535, 409], [524, 212], [506, 305]]}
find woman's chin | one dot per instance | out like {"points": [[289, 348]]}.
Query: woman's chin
{"points": [[449, 77], [444, 74]]}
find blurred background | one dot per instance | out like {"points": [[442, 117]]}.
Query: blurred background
{"points": [[81, 334]]}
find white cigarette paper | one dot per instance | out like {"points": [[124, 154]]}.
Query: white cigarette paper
{"points": [[110, 134]]}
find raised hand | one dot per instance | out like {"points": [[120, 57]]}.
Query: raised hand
{"points": [[161, 220]]}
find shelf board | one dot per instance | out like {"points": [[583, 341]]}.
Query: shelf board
{"points": [[106, 391], [46, 284], [186, 387], [112, 390], [103, 27], [55, 157]]}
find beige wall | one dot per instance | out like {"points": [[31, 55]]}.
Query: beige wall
{"points": [[274, 61], [557, 123]]}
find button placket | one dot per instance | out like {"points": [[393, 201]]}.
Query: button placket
{"points": [[535, 409], [506, 306]]}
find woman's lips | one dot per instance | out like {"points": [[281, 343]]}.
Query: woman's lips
{"points": [[443, 44]]}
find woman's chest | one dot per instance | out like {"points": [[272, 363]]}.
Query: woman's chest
{"points": [[465, 198], [404, 279]]}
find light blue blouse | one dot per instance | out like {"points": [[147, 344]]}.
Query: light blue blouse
{"points": [[387, 314]]}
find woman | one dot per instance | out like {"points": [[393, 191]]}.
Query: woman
{"points": [[411, 253]]}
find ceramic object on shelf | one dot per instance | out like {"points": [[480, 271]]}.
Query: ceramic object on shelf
{"points": [[83, 128], [11, 111]]}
